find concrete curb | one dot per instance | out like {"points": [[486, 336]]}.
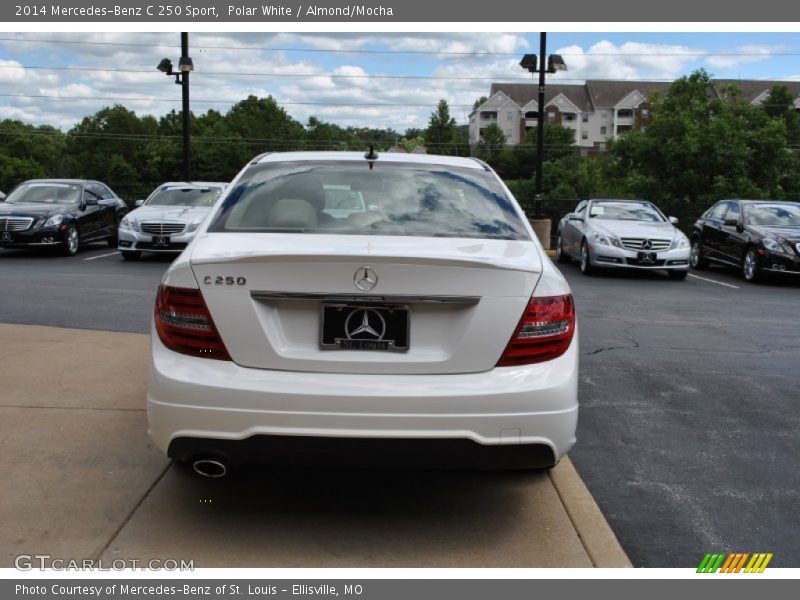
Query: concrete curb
{"points": [[596, 535]]}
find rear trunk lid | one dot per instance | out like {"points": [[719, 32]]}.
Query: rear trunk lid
{"points": [[457, 300]]}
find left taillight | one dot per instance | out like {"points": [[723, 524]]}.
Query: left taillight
{"points": [[184, 324], [544, 332]]}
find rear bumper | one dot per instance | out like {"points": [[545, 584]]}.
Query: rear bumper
{"points": [[199, 405]]}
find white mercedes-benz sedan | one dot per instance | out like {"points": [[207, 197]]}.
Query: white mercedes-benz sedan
{"points": [[168, 219], [426, 325]]}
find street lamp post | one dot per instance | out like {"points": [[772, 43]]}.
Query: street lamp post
{"points": [[554, 63], [185, 66]]}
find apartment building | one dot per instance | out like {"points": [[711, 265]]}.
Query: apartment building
{"points": [[596, 110]]}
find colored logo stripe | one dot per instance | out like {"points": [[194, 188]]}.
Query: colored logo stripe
{"points": [[734, 562]]}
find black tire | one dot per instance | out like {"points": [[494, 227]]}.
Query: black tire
{"points": [[560, 256], [585, 261], [696, 258], [751, 271], [131, 254], [677, 275], [72, 240]]}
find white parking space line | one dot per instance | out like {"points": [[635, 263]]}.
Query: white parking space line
{"points": [[736, 287], [101, 256]]}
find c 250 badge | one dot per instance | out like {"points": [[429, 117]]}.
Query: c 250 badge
{"points": [[223, 280]]}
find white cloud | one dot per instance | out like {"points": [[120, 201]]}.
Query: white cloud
{"points": [[631, 60], [743, 55]]}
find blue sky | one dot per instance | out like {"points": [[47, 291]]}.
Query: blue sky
{"points": [[361, 79]]}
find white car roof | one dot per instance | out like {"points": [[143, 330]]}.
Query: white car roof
{"points": [[395, 157]]}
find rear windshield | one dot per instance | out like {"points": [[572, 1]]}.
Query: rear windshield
{"points": [[184, 197], [348, 198]]}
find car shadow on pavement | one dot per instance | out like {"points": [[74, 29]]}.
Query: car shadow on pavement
{"points": [[280, 517]]}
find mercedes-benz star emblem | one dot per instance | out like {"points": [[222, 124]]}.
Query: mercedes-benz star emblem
{"points": [[647, 244], [6, 237], [365, 279], [365, 323]]}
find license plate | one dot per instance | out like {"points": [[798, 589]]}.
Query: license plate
{"points": [[361, 327], [647, 258], [160, 240]]}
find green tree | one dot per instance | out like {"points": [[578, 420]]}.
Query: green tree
{"points": [[440, 136], [492, 143], [702, 144], [557, 143], [779, 104]]}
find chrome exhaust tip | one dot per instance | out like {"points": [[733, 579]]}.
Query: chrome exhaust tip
{"points": [[208, 467]]}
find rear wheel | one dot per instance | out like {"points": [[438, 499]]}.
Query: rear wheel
{"points": [[561, 257], [750, 269], [697, 260], [677, 275], [131, 254], [72, 240], [586, 262]]}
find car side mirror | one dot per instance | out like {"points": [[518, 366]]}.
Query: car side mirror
{"points": [[138, 203], [673, 220], [89, 201], [575, 217], [731, 222]]}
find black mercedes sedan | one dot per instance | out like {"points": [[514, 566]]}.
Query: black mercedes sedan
{"points": [[756, 236], [60, 214]]}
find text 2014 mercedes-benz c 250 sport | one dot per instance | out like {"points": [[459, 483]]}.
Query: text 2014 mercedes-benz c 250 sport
{"points": [[426, 321]]}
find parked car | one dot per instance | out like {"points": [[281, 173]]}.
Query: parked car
{"points": [[622, 234], [60, 213], [755, 236], [432, 321], [168, 219]]}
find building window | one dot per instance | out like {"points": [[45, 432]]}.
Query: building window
{"points": [[531, 114], [625, 113], [603, 130], [624, 128], [509, 116], [585, 117], [604, 115], [645, 113], [551, 116], [569, 117], [584, 135], [488, 115], [508, 133]]}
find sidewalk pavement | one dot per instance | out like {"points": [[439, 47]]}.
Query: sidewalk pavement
{"points": [[82, 480]]}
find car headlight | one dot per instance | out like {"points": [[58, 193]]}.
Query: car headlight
{"points": [[54, 221], [192, 227], [776, 245], [680, 243], [129, 224], [600, 238]]}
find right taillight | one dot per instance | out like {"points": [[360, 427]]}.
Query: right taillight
{"points": [[544, 332], [184, 324]]}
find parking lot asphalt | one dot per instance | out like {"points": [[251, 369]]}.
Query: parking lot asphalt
{"points": [[81, 480], [687, 435], [688, 431]]}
